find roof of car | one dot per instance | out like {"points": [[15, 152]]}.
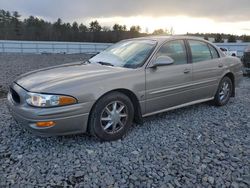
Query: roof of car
{"points": [[162, 38]]}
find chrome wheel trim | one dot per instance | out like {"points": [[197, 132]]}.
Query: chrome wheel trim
{"points": [[114, 117], [224, 91]]}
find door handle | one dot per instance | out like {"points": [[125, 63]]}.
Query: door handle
{"points": [[220, 65], [186, 71]]}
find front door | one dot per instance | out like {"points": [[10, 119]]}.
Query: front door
{"points": [[169, 85]]}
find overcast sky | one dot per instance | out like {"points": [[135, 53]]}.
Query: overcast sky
{"points": [[229, 16]]}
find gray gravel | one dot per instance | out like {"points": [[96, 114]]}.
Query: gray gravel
{"points": [[14, 64], [197, 146]]}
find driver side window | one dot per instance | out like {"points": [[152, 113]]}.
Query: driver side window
{"points": [[174, 49]]}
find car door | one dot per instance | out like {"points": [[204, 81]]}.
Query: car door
{"points": [[207, 69], [168, 86]]}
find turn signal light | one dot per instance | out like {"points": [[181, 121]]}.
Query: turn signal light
{"points": [[65, 100], [45, 124]]}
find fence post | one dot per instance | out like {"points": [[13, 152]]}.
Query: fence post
{"points": [[3, 46], [53, 47], [21, 44], [37, 51]]}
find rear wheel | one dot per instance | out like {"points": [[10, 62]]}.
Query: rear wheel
{"points": [[111, 116], [224, 92]]}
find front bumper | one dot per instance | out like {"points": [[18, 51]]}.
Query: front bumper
{"points": [[70, 119]]}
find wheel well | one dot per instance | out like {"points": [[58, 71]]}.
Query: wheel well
{"points": [[132, 97], [135, 102], [231, 76]]}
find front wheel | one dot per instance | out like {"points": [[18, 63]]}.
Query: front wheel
{"points": [[111, 116], [224, 92]]}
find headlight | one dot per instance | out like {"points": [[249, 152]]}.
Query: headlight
{"points": [[45, 100]]}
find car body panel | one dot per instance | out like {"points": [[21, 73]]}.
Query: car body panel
{"points": [[206, 76], [165, 85], [69, 119], [156, 89]]}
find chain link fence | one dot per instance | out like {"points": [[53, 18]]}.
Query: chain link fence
{"points": [[40, 47]]}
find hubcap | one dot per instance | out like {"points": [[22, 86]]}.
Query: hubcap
{"points": [[114, 117], [224, 91]]}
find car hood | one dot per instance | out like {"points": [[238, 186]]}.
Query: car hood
{"points": [[44, 80]]}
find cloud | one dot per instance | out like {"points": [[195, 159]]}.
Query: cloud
{"points": [[223, 10], [246, 29]]}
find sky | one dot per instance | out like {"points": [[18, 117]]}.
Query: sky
{"points": [[207, 16]]}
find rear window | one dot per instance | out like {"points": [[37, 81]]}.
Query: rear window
{"points": [[200, 51], [214, 52]]}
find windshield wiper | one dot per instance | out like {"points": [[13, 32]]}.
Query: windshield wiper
{"points": [[85, 62], [105, 63]]}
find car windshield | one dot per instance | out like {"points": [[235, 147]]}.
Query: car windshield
{"points": [[129, 54]]}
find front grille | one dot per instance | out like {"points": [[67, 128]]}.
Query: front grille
{"points": [[15, 96]]}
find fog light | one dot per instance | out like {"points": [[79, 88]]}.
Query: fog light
{"points": [[45, 124]]}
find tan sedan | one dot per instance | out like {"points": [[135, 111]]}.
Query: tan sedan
{"points": [[130, 80]]}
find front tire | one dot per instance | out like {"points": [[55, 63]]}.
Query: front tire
{"points": [[224, 92], [111, 117]]}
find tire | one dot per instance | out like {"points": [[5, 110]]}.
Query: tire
{"points": [[108, 124], [224, 92]]}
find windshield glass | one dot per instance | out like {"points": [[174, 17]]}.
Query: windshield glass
{"points": [[129, 54]]}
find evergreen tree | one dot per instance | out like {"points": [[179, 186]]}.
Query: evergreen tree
{"points": [[245, 38], [231, 38], [17, 24], [218, 38], [135, 29], [95, 26]]}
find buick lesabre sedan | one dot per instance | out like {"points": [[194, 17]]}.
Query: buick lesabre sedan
{"points": [[130, 80]]}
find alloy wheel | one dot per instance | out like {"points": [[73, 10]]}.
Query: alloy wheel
{"points": [[224, 91], [114, 117]]}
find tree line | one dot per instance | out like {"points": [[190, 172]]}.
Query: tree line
{"points": [[221, 37], [37, 29]]}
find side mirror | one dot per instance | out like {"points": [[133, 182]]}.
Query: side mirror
{"points": [[162, 61]]}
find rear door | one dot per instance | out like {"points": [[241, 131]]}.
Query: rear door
{"points": [[168, 86], [207, 69]]}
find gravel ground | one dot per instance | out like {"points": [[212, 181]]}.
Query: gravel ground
{"points": [[13, 65], [197, 146]]}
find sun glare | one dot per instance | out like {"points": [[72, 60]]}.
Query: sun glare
{"points": [[180, 24]]}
